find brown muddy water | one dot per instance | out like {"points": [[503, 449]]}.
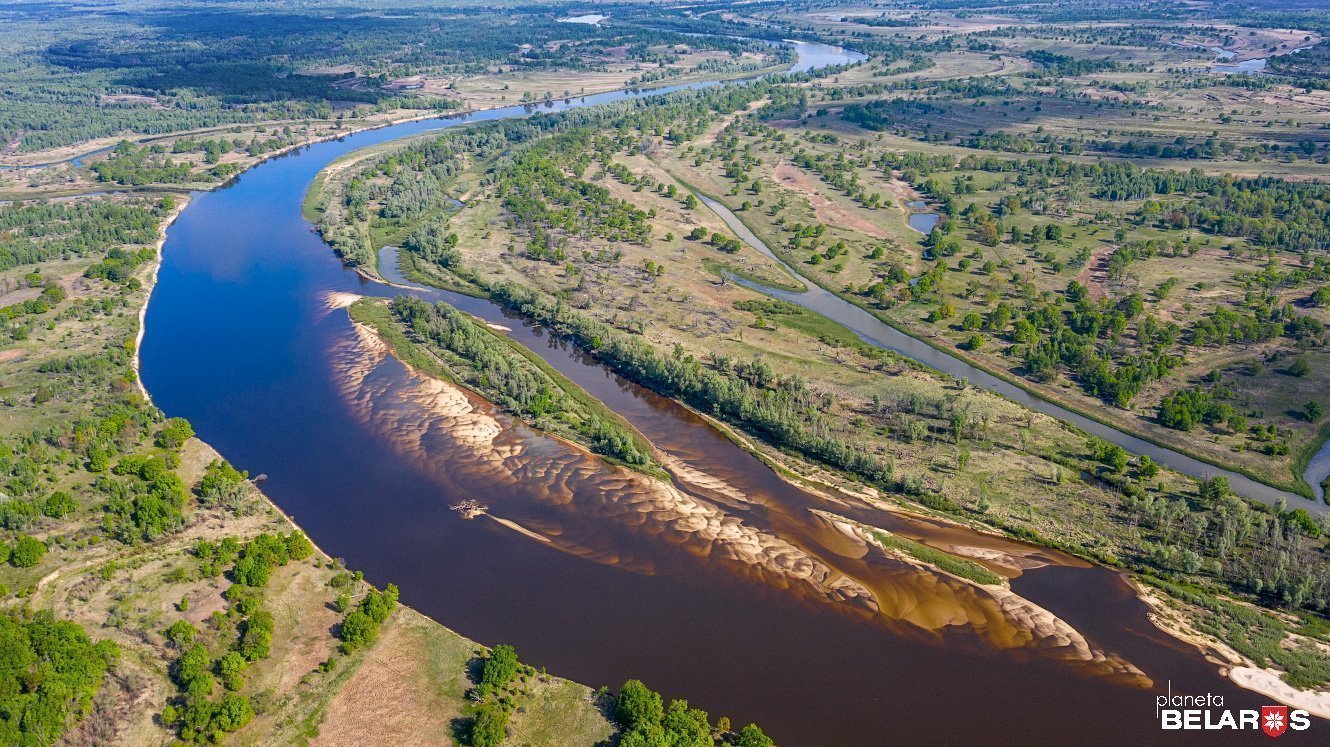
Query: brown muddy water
{"points": [[728, 586]]}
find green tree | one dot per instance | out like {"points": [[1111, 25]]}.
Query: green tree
{"points": [[490, 726], [26, 551], [752, 736], [1313, 411], [174, 434], [500, 666], [638, 705], [1214, 488], [231, 668], [59, 505], [1300, 366], [181, 633]]}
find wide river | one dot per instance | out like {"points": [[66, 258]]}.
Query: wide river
{"points": [[727, 586]]}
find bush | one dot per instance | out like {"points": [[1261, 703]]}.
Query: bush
{"points": [[500, 667], [26, 551], [490, 726], [68, 666]]}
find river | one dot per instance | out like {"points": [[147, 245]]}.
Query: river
{"points": [[604, 583]]}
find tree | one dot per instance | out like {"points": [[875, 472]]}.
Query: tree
{"points": [[1313, 411], [500, 666], [357, 630], [59, 505], [181, 633], [637, 705], [687, 727], [752, 736], [231, 668], [256, 641], [1300, 367], [988, 234], [490, 726], [1214, 488], [174, 434], [27, 551]]}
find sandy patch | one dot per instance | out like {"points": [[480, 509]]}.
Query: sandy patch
{"points": [[337, 300], [828, 212], [1094, 276], [1268, 682], [1243, 672], [520, 529]]}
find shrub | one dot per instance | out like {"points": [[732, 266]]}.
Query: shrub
{"points": [[490, 726], [26, 551], [500, 667]]}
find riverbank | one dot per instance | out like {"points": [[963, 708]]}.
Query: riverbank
{"points": [[426, 695], [960, 597], [1168, 615]]}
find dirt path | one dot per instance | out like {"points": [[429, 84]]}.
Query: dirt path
{"points": [[1094, 276]]}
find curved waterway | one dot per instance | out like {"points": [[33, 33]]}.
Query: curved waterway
{"points": [[880, 334], [727, 585]]}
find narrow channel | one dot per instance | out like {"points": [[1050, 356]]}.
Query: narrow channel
{"points": [[875, 332]]}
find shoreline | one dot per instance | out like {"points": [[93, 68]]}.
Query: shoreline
{"points": [[1237, 668], [182, 202]]}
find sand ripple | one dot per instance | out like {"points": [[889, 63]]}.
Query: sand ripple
{"points": [[552, 490]]}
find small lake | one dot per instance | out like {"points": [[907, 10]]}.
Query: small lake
{"points": [[924, 222]]}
